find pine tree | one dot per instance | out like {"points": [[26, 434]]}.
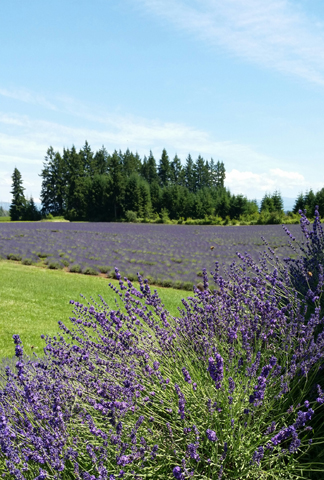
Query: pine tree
{"points": [[190, 174], [77, 185], [164, 169], [299, 203], [199, 173], [149, 170], [18, 203], [100, 162], [115, 169], [53, 191], [31, 212], [220, 174], [267, 203], [277, 201], [176, 171]]}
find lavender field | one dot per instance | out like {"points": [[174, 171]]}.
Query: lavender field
{"points": [[168, 255]]}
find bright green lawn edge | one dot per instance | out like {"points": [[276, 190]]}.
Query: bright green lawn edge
{"points": [[33, 300]]}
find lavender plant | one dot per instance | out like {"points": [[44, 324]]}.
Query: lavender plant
{"points": [[229, 389], [307, 268]]}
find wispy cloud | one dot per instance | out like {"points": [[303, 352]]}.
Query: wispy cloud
{"points": [[24, 141], [26, 96], [274, 34]]}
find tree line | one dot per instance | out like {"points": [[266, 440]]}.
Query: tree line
{"points": [[98, 186]]}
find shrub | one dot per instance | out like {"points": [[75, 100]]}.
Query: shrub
{"points": [[14, 256], [131, 216], [42, 254], [231, 388], [54, 265], [75, 268], [90, 271], [187, 286], [104, 269], [27, 261]]}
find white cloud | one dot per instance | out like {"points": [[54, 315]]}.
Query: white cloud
{"points": [[275, 34], [256, 184], [25, 140]]}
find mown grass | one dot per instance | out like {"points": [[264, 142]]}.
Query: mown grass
{"points": [[33, 300]]}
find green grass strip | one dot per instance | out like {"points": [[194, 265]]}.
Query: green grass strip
{"points": [[33, 300]]}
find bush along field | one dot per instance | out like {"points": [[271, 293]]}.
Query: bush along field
{"points": [[231, 388]]}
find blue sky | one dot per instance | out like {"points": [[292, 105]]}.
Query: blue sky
{"points": [[241, 81]]}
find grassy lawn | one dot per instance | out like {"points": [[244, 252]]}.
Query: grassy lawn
{"points": [[33, 300]]}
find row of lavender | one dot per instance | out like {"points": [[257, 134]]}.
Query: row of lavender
{"points": [[171, 255], [231, 388]]}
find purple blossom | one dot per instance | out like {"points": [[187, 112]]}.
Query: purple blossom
{"points": [[211, 435], [186, 375], [215, 369], [177, 473]]}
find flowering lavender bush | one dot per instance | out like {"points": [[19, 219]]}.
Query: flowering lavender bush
{"points": [[307, 268], [231, 388]]}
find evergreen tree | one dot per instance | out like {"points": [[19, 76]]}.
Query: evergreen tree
{"points": [[299, 203], [310, 202], [77, 186], [190, 174], [31, 212], [176, 171], [98, 198], [18, 203], [53, 191], [277, 202], [149, 170], [267, 203], [220, 174], [200, 173], [164, 169], [131, 163], [86, 156], [100, 162], [155, 193], [115, 169], [320, 201], [133, 195]]}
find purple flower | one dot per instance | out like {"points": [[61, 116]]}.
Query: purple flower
{"points": [[215, 369], [258, 455], [211, 435], [192, 450], [231, 385], [186, 375], [177, 473]]}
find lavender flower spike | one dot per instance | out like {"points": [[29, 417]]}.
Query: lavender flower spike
{"points": [[215, 369]]}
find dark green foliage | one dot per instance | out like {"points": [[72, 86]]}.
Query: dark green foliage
{"points": [[272, 203], [14, 256], [27, 261], [90, 271], [18, 203], [102, 187], [308, 202], [31, 212], [53, 185], [75, 268], [164, 170], [54, 266]]}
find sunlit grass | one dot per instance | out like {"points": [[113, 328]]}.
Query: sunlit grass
{"points": [[33, 300]]}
